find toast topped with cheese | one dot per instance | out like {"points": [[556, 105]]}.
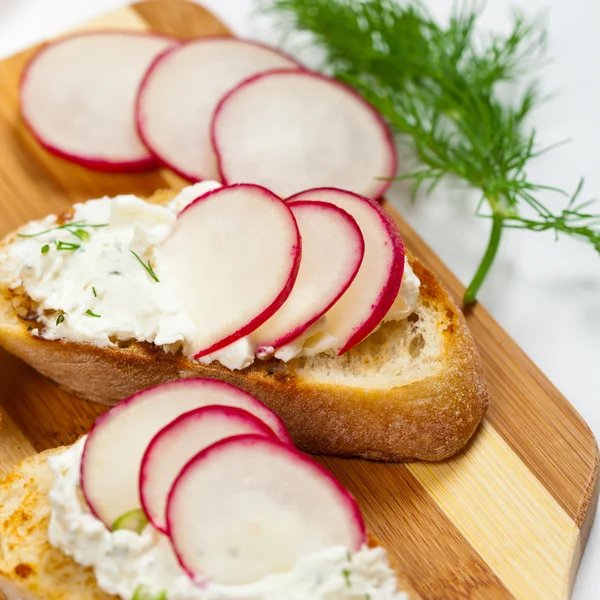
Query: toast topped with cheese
{"points": [[85, 301], [87, 522]]}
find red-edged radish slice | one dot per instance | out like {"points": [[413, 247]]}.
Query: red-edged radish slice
{"points": [[179, 94], [368, 299], [291, 130], [177, 443], [232, 259], [332, 251], [248, 506], [113, 451], [78, 97]]}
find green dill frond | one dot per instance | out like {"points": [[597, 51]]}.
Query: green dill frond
{"points": [[437, 87]]}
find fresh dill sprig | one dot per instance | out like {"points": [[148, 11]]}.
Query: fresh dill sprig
{"points": [[437, 87], [91, 313], [148, 266]]}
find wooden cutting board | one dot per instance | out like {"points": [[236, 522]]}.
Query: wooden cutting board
{"points": [[507, 518]]}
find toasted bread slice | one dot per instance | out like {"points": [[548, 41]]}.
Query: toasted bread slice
{"points": [[32, 569], [412, 390]]}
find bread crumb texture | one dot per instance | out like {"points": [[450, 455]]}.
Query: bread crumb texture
{"points": [[30, 568]]}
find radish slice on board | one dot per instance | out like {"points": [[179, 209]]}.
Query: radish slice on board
{"points": [[179, 94], [113, 452], [78, 97], [290, 130], [332, 251], [177, 443], [368, 299], [248, 506], [232, 259]]}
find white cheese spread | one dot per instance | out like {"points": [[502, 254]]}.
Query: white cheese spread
{"points": [[88, 280], [124, 560], [99, 279], [317, 338]]}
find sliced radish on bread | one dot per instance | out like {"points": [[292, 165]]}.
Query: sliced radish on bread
{"points": [[249, 506], [232, 259], [374, 289], [289, 130], [78, 97], [116, 444], [332, 251], [177, 443], [179, 94]]}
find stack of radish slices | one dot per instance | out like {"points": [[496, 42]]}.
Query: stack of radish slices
{"points": [[270, 269], [215, 470], [213, 108]]}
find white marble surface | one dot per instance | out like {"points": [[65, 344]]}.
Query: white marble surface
{"points": [[545, 294]]}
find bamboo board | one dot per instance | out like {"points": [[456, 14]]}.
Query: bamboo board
{"points": [[507, 518]]}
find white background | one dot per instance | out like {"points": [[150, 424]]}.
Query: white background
{"points": [[546, 294]]}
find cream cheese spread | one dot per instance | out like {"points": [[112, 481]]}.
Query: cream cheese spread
{"points": [[123, 561], [99, 279], [88, 280], [317, 338]]}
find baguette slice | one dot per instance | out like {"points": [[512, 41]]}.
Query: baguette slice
{"points": [[32, 569], [412, 390]]}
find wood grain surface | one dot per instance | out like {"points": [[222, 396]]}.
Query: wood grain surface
{"points": [[507, 518]]}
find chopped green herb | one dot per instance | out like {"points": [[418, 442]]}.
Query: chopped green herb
{"points": [[67, 226], [134, 520], [29, 328], [82, 234], [142, 593], [139, 593], [94, 292], [91, 313], [60, 245], [45, 248], [60, 319], [346, 576], [148, 266]]}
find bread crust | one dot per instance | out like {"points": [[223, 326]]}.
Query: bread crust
{"points": [[430, 419], [32, 569]]}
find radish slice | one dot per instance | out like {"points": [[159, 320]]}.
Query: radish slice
{"points": [[177, 443], [368, 299], [113, 452], [78, 97], [248, 506], [232, 259], [291, 130], [332, 251], [179, 94]]}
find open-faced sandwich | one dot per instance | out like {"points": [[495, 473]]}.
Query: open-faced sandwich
{"points": [[189, 491], [310, 304]]}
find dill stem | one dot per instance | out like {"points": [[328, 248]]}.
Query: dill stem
{"points": [[487, 260]]}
